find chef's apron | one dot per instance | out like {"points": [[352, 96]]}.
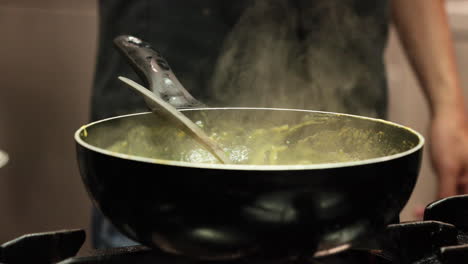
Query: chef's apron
{"points": [[309, 54]]}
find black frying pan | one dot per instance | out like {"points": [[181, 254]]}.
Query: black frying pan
{"points": [[217, 211]]}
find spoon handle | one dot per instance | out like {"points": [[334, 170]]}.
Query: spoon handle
{"points": [[159, 106], [156, 73]]}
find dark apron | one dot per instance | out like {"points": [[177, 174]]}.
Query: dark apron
{"points": [[337, 52]]}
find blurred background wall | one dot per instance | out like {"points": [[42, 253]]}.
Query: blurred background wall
{"points": [[46, 68]]}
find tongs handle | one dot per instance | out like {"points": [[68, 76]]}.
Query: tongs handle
{"points": [[154, 70]]}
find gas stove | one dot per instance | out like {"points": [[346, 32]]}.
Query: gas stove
{"points": [[441, 238]]}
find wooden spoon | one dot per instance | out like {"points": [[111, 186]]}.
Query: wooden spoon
{"points": [[158, 106]]}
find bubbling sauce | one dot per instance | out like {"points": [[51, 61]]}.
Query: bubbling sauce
{"points": [[286, 144]]}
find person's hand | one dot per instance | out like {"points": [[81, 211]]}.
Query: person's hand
{"points": [[449, 152]]}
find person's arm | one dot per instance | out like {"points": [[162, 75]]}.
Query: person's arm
{"points": [[424, 31]]}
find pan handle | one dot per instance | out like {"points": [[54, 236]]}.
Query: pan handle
{"points": [[154, 70]]}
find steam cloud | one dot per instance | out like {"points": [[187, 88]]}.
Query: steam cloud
{"points": [[270, 59]]}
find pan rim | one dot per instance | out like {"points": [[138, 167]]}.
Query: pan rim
{"points": [[319, 166]]}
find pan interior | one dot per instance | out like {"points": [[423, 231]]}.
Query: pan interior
{"points": [[255, 137]]}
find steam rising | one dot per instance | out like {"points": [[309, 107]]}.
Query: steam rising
{"points": [[317, 55], [310, 56]]}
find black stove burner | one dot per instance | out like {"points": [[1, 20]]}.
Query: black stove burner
{"points": [[418, 242], [134, 254], [42, 247], [442, 238]]}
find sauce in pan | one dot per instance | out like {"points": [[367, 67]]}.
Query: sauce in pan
{"points": [[307, 142]]}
